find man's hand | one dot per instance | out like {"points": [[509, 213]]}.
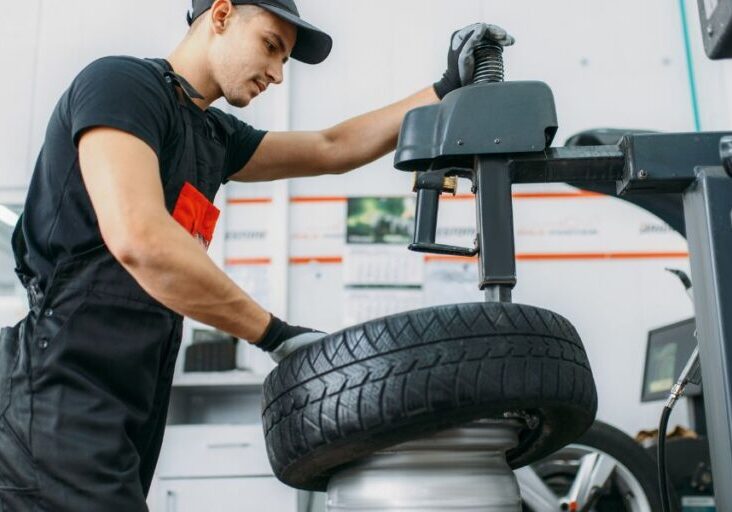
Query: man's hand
{"points": [[282, 339], [460, 60]]}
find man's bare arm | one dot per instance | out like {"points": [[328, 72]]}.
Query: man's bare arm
{"points": [[339, 149], [122, 177]]}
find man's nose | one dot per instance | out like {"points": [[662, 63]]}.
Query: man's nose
{"points": [[275, 73]]}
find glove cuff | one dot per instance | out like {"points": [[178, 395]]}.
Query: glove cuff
{"points": [[442, 88], [273, 336]]}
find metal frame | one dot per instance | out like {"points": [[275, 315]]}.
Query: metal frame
{"points": [[708, 213]]}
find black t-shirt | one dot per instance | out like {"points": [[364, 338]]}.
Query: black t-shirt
{"points": [[129, 94]]}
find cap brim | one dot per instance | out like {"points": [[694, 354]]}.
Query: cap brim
{"points": [[313, 45]]}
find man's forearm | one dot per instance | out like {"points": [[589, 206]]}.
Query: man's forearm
{"points": [[174, 269], [365, 138]]}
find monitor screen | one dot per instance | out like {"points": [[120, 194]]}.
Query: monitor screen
{"points": [[667, 352]]}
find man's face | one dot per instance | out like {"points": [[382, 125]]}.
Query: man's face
{"points": [[250, 54]]}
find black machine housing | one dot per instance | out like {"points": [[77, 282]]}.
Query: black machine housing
{"points": [[716, 24]]}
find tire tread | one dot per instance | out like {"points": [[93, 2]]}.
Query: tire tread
{"points": [[425, 368]]}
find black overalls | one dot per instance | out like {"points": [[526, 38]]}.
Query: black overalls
{"points": [[85, 378]]}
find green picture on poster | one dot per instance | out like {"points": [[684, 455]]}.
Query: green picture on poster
{"points": [[380, 220]]}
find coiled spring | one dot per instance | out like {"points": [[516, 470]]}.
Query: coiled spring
{"points": [[488, 62]]}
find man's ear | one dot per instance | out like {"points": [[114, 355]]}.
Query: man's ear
{"points": [[221, 13]]}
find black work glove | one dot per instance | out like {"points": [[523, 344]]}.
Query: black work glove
{"points": [[282, 339], [460, 60]]}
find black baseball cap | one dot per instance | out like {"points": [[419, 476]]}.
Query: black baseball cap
{"points": [[313, 45]]}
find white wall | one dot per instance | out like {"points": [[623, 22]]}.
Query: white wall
{"points": [[615, 64], [19, 33]]}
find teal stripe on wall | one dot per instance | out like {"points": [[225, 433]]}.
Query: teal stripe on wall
{"points": [[690, 65]]}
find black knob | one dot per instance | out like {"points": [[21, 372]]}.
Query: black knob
{"points": [[725, 152]]}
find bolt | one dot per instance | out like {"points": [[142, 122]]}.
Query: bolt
{"points": [[710, 31], [497, 141], [460, 142], [43, 344], [643, 174], [49, 312]]}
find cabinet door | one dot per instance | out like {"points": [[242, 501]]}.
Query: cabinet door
{"points": [[225, 495], [213, 451]]}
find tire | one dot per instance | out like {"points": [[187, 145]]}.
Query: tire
{"points": [[559, 470], [409, 375]]}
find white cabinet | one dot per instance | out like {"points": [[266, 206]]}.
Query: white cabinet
{"points": [[255, 494], [214, 456], [211, 451], [218, 468]]}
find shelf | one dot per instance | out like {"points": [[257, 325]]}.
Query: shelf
{"points": [[228, 379]]}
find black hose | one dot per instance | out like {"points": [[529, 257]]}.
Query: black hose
{"points": [[662, 477]]}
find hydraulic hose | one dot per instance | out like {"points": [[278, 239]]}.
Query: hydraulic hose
{"points": [[662, 476], [690, 373]]}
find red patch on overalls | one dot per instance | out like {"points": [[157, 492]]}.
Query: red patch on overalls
{"points": [[196, 214]]}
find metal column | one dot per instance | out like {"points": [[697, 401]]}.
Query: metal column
{"points": [[708, 212], [494, 211]]}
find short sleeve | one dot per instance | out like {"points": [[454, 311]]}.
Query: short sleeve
{"points": [[242, 142], [123, 93]]}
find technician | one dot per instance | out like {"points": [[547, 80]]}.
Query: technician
{"points": [[111, 246]]}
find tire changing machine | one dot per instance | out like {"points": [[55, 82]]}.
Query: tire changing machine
{"points": [[495, 134]]}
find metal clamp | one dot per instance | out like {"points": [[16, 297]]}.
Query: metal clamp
{"points": [[429, 185]]}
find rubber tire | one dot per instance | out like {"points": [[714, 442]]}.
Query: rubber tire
{"points": [[630, 454], [412, 374]]}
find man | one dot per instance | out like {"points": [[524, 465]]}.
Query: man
{"points": [[111, 246]]}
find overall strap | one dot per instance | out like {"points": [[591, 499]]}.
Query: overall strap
{"points": [[165, 69], [186, 170]]}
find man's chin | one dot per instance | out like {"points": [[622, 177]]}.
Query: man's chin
{"points": [[239, 101]]}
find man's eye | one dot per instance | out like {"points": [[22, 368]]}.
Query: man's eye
{"points": [[270, 46]]}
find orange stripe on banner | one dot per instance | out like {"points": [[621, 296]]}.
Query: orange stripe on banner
{"points": [[453, 259], [557, 195], [247, 200], [603, 256], [462, 197], [316, 199], [572, 256], [316, 259], [532, 195], [457, 197], [248, 261]]}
